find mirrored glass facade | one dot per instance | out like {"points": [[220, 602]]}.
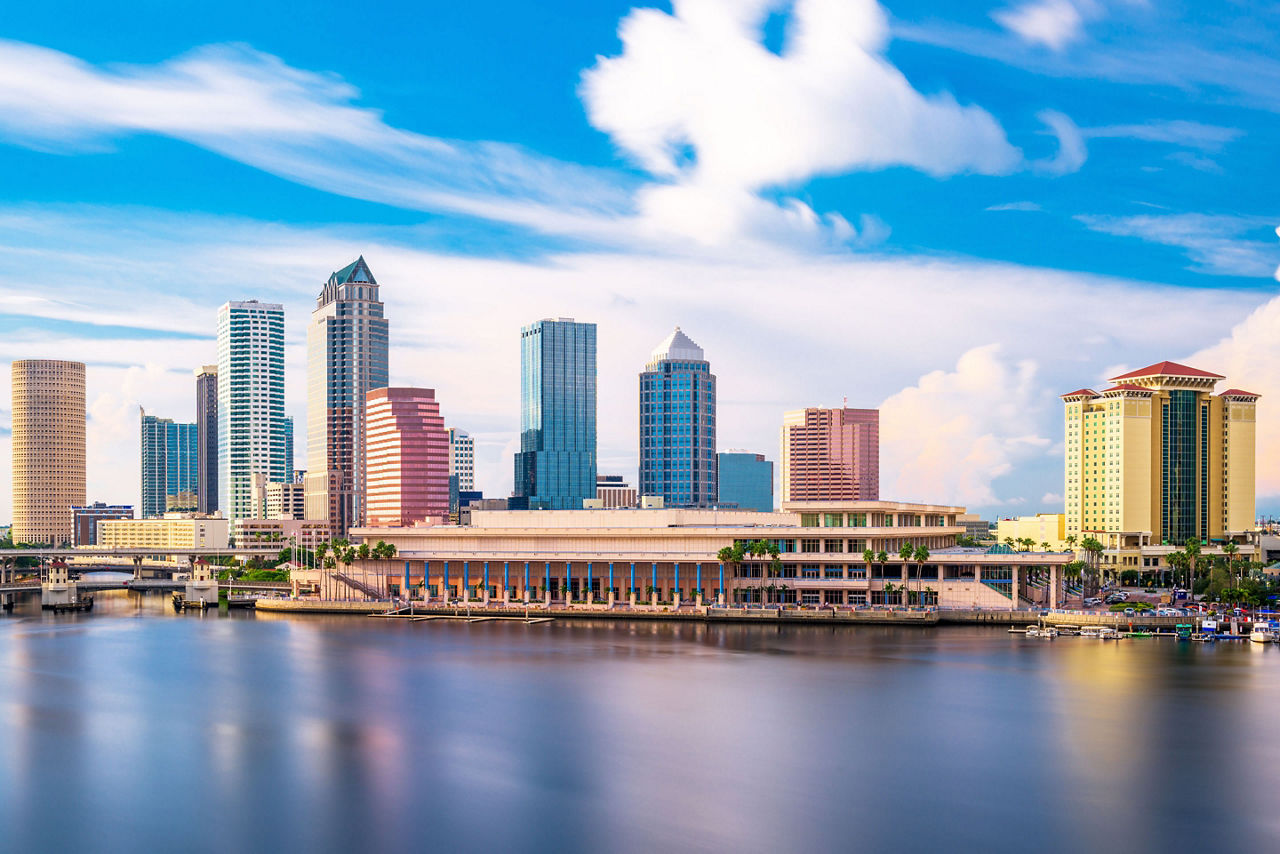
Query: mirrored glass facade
{"points": [[555, 468]]}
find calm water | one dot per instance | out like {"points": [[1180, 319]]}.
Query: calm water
{"points": [[133, 729]]}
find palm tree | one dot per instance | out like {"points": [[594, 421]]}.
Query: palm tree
{"points": [[1044, 546], [363, 551], [1231, 551], [888, 589], [1071, 542], [905, 553], [1093, 549], [920, 555], [1192, 548], [869, 556], [1010, 542]]}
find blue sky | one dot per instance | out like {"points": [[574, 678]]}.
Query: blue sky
{"points": [[952, 211]]}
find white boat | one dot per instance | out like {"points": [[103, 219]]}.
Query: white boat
{"points": [[1108, 633], [1048, 632], [1089, 631], [1264, 632], [1033, 631]]}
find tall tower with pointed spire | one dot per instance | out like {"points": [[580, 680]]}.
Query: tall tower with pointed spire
{"points": [[678, 424], [346, 359]]}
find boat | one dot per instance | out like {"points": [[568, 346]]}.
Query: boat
{"points": [[1108, 633], [1183, 631], [1048, 632], [1265, 632], [1089, 631], [1068, 630], [1033, 631]]}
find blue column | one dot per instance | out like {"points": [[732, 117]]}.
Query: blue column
{"points": [[568, 577], [506, 576], [676, 567], [526, 576], [721, 578], [633, 578], [588, 576], [610, 575], [406, 579], [654, 568], [698, 569], [546, 576], [444, 580], [466, 575], [486, 576]]}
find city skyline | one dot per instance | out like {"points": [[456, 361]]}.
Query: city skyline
{"points": [[1075, 218]]}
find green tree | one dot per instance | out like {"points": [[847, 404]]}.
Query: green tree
{"points": [[920, 555]]}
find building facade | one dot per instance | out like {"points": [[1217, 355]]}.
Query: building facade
{"points": [[1041, 528], [831, 455], [671, 556], [346, 359], [277, 500], [1159, 455], [179, 531], [47, 398], [678, 424], [462, 459], [744, 480], [266, 538], [251, 419], [170, 458], [555, 468], [207, 439], [86, 520], [613, 492], [407, 462]]}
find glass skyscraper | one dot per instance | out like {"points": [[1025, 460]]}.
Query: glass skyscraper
{"points": [[678, 424], [207, 439], [555, 468], [744, 480], [251, 420], [170, 465], [346, 359]]}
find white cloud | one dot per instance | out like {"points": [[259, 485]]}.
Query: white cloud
{"points": [[1178, 132], [1016, 206], [1052, 502], [1248, 357], [252, 107], [1221, 244], [1071, 148], [697, 100], [950, 436], [1052, 23]]}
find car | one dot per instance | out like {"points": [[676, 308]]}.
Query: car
{"points": [[1092, 602]]}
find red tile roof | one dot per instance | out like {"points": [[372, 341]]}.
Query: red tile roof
{"points": [[1235, 392], [1083, 392], [1127, 387], [1168, 369]]}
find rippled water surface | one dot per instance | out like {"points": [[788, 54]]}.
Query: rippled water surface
{"points": [[134, 729]]}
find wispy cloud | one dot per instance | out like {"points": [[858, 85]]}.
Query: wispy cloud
{"points": [[1016, 206], [1222, 245]]}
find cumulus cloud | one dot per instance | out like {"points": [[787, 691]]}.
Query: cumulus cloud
{"points": [[954, 433], [698, 100], [1248, 357]]}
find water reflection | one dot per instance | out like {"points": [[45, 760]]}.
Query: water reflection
{"points": [[133, 728]]}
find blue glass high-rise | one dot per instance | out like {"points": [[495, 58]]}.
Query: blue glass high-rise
{"points": [[170, 465], [744, 480], [555, 468], [678, 424]]}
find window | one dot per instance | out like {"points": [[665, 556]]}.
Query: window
{"points": [[833, 571], [857, 520], [834, 520], [836, 546], [810, 546], [809, 570], [857, 546], [808, 520], [811, 597]]}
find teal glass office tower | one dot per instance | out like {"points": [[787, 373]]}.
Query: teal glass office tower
{"points": [[744, 480], [170, 465], [555, 468], [678, 424], [252, 429]]}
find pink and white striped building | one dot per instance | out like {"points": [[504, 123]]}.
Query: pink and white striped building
{"points": [[406, 458]]}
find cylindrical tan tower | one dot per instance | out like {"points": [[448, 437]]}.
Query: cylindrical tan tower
{"points": [[48, 449]]}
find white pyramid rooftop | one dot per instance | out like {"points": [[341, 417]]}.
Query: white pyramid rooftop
{"points": [[677, 345]]}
